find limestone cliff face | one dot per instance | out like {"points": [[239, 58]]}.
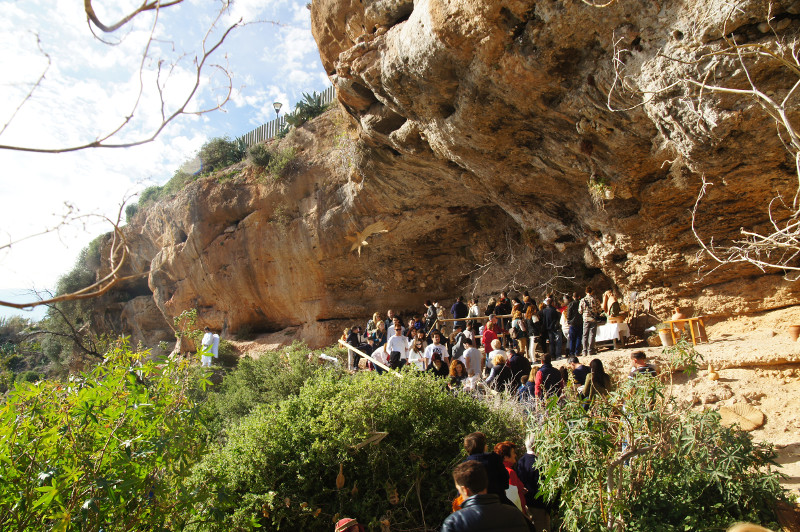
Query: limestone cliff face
{"points": [[471, 130]]}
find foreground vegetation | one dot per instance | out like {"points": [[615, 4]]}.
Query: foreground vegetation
{"points": [[285, 443]]}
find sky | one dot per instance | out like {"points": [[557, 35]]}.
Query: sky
{"points": [[90, 87]]}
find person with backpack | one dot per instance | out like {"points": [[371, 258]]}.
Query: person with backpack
{"points": [[589, 310], [519, 329]]}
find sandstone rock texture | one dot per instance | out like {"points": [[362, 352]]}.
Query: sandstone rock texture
{"points": [[472, 130]]}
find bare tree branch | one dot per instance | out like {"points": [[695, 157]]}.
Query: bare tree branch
{"points": [[91, 17]]}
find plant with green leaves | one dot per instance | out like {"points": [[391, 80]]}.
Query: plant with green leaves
{"points": [[640, 460], [220, 152], [108, 449], [282, 162], [599, 189], [395, 439], [259, 154]]}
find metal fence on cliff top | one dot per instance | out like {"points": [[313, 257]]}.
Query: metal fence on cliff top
{"points": [[270, 129]]}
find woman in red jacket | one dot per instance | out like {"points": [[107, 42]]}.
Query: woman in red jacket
{"points": [[508, 452]]}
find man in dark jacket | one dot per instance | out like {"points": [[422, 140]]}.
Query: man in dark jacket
{"points": [[551, 326], [575, 321], [475, 445], [459, 310], [519, 366], [481, 511], [548, 380]]}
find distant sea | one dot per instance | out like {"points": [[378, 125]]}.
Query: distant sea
{"points": [[20, 295]]}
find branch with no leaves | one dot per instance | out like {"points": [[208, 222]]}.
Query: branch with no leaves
{"points": [[168, 113], [118, 254]]}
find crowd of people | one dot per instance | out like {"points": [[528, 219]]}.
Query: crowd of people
{"points": [[494, 347], [497, 349]]}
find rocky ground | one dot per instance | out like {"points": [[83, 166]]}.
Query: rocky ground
{"points": [[758, 364]]}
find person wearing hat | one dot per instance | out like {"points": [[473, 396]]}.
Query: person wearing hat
{"points": [[348, 524]]}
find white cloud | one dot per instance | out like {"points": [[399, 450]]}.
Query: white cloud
{"points": [[90, 89]]}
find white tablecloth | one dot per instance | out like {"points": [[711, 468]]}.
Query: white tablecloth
{"points": [[612, 331]]}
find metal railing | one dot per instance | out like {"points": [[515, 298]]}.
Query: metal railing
{"points": [[270, 129]]}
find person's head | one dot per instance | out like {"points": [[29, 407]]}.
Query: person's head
{"points": [[381, 326], [436, 357], [495, 344], [546, 359], [356, 329], [503, 295], [376, 317], [419, 344], [420, 336], [457, 369], [492, 318], [398, 330], [428, 303], [574, 362], [589, 290], [457, 329], [348, 525], [460, 299], [475, 300], [498, 360], [523, 379], [507, 450], [596, 365], [396, 321], [470, 478], [390, 314], [411, 322], [490, 326], [475, 443], [437, 337], [529, 442], [467, 343], [575, 295], [207, 329], [639, 358]]}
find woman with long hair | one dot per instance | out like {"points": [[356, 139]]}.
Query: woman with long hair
{"points": [[521, 330], [516, 489], [372, 324], [416, 356], [598, 382], [379, 336], [458, 374]]}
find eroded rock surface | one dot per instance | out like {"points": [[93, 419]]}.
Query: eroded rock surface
{"points": [[472, 130]]}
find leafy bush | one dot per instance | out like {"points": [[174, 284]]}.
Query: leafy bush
{"points": [[110, 449], [259, 154], [281, 162], [219, 152], [28, 376], [294, 449], [311, 105], [641, 461], [266, 380], [130, 211]]}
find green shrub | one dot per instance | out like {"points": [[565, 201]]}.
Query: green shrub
{"points": [[259, 154], [640, 460], [150, 195], [278, 467], [130, 211], [218, 153], [311, 105], [28, 376], [108, 450], [266, 380], [281, 162]]}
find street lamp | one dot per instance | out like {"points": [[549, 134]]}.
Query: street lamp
{"points": [[277, 106]]}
